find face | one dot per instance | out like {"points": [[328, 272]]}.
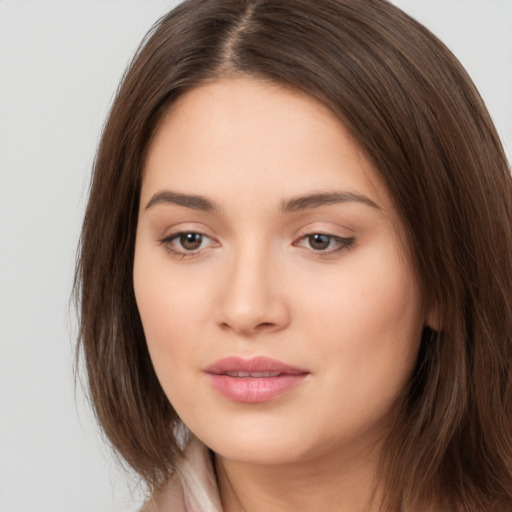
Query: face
{"points": [[281, 312]]}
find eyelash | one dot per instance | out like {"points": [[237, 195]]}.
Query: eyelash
{"points": [[341, 243], [184, 253]]}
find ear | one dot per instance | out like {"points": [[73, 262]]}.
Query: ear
{"points": [[433, 319]]}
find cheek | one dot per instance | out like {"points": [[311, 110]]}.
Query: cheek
{"points": [[367, 321], [374, 293], [168, 310]]}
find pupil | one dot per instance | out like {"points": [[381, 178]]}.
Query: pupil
{"points": [[191, 241], [319, 241]]}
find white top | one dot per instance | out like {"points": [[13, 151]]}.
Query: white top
{"points": [[193, 488]]}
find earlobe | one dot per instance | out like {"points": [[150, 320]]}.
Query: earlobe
{"points": [[433, 319]]}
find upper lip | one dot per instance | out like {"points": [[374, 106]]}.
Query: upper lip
{"points": [[254, 365]]}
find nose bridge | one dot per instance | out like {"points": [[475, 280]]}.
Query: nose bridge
{"points": [[251, 299]]}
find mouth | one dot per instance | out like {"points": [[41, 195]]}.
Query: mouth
{"points": [[256, 375], [254, 380]]}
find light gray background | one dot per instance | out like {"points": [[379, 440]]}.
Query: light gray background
{"points": [[60, 62]]}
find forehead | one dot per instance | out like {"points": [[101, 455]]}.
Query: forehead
{"points": [[250, 133]]}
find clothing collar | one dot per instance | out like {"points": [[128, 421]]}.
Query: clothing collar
{"points": [[193, 487]]}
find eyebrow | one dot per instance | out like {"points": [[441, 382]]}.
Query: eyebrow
{"points": [[189, 201], [296, 204], [317, 200]]}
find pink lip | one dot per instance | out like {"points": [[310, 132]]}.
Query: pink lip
{"points": [[267, 378]]}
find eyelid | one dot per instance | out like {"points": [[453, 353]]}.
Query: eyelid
{"points": [[167, 240], [342, 243]]}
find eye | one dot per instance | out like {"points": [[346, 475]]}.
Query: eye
{"points": [[190, 241], [187, 243], [325, 243]]}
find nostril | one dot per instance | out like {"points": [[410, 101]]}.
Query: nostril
{"points": [[264, 325], [248, 308]]}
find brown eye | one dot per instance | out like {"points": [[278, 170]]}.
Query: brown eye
{"points": [[324, 244], [190, 241], [188, 244], [319, 241]]}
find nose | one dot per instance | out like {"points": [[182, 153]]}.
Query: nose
{"points": [[253, 298]]}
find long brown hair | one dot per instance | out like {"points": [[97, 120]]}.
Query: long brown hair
{"points": [[413, 109]]}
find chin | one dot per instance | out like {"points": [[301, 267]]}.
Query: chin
{"points": [[254, 444], [258, 452]]}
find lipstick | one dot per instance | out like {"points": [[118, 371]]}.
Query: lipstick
{"points": [[258, 379]]}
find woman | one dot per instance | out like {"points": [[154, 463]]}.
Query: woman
{"points": [[295, 271]]}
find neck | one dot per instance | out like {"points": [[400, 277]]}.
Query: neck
{"points": [[330, 483]]}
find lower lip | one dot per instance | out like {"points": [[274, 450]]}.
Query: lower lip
{"points": [[254, 389]]}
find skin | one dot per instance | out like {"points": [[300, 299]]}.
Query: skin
{"points": [[257, 285]]}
